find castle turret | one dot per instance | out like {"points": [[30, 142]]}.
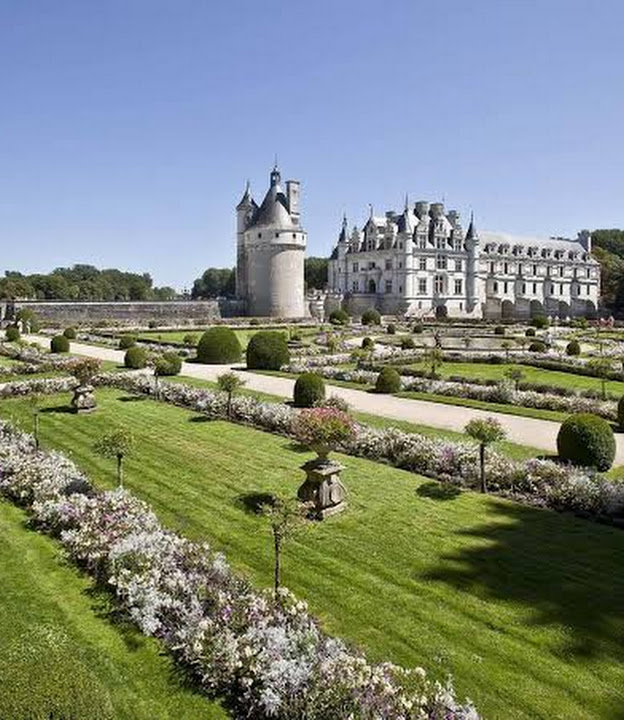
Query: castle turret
{"points": [[245, 211], [273, 244], [472, 265]]}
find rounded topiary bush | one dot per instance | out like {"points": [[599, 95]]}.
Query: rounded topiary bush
{"points": [[499, 330], [170, 363], [388, 381], [587, 440], [407, 343], [267, 350], [70, 333], [12, 334], [218, 346], [530, 332], [371, 317], [59, 344], [309, 390], [573, 348], [368, 343], [537, 347], [417, 329], [540, 321], [127, 341], [338, 317], [135, 358], [391, 329]]}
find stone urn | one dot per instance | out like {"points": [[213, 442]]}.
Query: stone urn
{"points": [[84, 399], [322, 487]]}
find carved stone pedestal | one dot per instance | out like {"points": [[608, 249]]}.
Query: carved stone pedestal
{"points": [[84, 399], [322, 487]]}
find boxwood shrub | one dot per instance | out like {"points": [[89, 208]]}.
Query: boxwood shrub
{"points": [[169, 363], [586, 440], [499, 330], [339, 317], [540, 321], [391, 329], [267, 350], [388, 381], [218, 346], [127, 341], [407, 343], [309, 390], [368, 343], [417, 328], [12, 334], [371, 317], [573, 348], [59, 344], [537, 347], [70, 333], [135, 358]]}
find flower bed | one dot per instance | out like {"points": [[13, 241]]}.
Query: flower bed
{"points": [[268, 658]]}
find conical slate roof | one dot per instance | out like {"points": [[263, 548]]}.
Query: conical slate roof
{"points": [[274, 209]]}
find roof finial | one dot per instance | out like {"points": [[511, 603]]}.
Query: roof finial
{"points": [[344, 220], [275, 163], [370, 205], [406, 202]]}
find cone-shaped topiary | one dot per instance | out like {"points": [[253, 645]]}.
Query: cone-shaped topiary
{"points": [[309, 390], [388, 381], [59, 344], [219, 346], [135, 358], [267, 350], [587, 440]]}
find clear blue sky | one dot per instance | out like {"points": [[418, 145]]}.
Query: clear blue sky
{"points": [[128, 127]]}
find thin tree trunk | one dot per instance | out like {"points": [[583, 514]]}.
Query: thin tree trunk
{"points": [[36, 418], [120, 470], [482, 463], [276, 545]]}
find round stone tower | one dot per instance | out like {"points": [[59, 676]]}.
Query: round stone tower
{"points": [[271, 252]]}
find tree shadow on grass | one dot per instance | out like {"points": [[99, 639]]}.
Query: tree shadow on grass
{"points": [[57, 409], [438, 491], [132, 398], [253, 503], [103, 606], [296, 447], [200, 419], [567, 572]]}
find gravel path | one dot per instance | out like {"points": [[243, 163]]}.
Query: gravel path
{"points": [[535, 433]]}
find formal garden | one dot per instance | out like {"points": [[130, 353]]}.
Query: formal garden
{"points": [[186, 507]]}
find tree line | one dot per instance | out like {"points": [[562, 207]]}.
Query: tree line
{"points": [[608, 249]]}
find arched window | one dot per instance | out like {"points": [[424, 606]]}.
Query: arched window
{"points": [[372, 287]]}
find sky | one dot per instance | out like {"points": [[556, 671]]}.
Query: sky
{"points": [[128, 128]]}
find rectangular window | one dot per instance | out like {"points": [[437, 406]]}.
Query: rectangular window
{"points": [[561, 271], [491, 268], [588, 273], [439, 284], [441, 262], [388, 264], [356, 267], [534, 288], [586, 289], [422, 263], [422, 286], [371, 265], [495, 286], [422, 241], [524, 288], [458, 265], [560, 289], [355, 286], [506, 270], [458, 287], [400, 288], [440, 243], [505, 286], [548, 271], [388, 286], [534, 269]]}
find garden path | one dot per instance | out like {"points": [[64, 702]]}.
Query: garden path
{"points": [[533, 432]]}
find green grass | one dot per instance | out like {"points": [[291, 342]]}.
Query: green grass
{"points": [[518, 452], [243, 335], [524, 606], [44, 597]]}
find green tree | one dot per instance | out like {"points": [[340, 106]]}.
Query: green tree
{"points": [[601, 367], [315, 273], [286, 516], [118, 445], [433, 357], [485, 431], [515, 374], [215, 282], [229, 383]]}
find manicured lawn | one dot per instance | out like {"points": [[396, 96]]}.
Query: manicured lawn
{"points": [[58, 638], [524, 607], [177, 336]]}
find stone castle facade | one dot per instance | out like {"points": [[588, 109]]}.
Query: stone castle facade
{"points": [[270, 251], [422, 262]]}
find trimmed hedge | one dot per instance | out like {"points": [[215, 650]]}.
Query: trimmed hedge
{"points": [[169, 363], [573, 348], [587, 440], [339, 317], [127, 341], [537, 347], [12, 334], [135, 358], [407, 343], [371, 317], [267, 350], [219, 346], [59, 344], [540, 321], [309, 390], [388, 381], [70, 333]]}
